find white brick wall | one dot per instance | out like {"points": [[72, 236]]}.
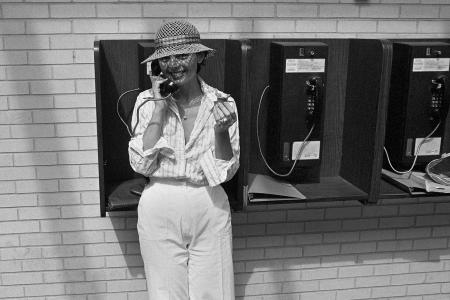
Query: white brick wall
{"points": [[54, 245]]}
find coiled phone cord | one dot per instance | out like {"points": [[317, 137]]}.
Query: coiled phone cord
{"points": [[299, 152], [415, 156], [117, 108], [131, 132]]}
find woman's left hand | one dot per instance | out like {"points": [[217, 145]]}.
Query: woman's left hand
{"points": [[224, 114]]}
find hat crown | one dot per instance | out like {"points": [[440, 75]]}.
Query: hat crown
{"points": [[177, 37], [175, 29]]}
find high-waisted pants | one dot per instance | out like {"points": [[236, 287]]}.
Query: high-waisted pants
{"points": [[186, 241]]}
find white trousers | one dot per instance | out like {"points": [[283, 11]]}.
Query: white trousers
{"points": [[186, 241]]}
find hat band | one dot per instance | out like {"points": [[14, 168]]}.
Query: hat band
{"points": [[176, 40]]}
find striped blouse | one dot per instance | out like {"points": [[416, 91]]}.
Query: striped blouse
{"points": [[171, 157]]}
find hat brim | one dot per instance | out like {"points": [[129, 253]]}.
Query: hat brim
{"points": [[180, 49]]}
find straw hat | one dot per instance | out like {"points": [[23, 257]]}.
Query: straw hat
{"points": [[178, 37]]}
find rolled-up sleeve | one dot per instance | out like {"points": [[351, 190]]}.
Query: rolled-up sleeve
{"points": [[145, 162], [217, 170]]}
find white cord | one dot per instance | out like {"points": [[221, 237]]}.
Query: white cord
{"points": [[299, 152], [131, 132], [117, 109], [415, 156]]}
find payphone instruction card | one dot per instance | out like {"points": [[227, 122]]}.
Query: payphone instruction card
{"points": [[428, 146], [305, 65], [263, 184], [431, 64]]}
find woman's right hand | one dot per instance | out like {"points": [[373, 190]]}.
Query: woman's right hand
{"points": [[154, 129], [156, 84]]}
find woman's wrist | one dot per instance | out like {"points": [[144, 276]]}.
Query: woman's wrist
{"points": [[160, 110]]}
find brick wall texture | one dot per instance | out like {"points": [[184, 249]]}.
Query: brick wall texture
{"points": [[54, 244]]}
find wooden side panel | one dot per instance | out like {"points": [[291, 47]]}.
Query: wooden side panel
{"points": [[369, 68]]}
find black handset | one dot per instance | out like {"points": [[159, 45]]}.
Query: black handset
{"points": [[167, 87], [438, 106], [313, 92]]}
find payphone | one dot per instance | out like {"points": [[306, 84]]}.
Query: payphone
{"points": [[296, 93], [418, 104]]}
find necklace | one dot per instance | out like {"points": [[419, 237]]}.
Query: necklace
{"points": [[194, 102]]}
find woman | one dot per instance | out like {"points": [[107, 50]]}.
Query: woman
{"points": [[187, 143]]}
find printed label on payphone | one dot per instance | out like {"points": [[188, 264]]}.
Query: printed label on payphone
{"points": [[431, 64], [303, 65]]}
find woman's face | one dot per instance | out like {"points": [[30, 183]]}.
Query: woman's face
{"points": [[181, 68]]}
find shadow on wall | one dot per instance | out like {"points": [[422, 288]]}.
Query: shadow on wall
{"points": [[45, 168], [332, 250], [52, 138], [340, 250], [125, 234]]}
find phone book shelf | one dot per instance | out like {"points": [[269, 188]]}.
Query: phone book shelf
{"points": [[354, 111]]}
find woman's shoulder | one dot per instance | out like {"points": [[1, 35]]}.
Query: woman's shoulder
{"points": [[146, 94], [142, 99]]}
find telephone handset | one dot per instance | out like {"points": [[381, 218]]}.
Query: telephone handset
{"points": [[313, 94], [167, 87], [438, 109]]}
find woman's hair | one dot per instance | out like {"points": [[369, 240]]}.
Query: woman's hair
{"points": [[200, 65]]}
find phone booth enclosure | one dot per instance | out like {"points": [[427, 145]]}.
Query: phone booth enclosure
{"points": [[416, 106], [119, 72], [348, 170], [297, 81]]}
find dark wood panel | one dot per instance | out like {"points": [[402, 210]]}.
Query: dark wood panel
{"points": [[334, 107], [259, 78], [329, 189], [235, 83], [365, 113], [244, 106], [116, 73], [98, 85], [390, 191], [332, 188]]}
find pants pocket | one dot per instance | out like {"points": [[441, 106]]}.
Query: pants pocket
{"points": [[220, 211], [152, 221]]}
